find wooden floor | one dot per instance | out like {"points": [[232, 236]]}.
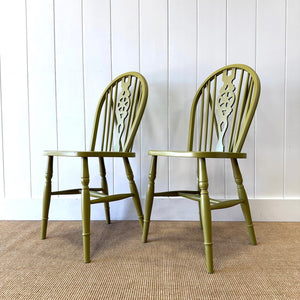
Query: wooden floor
{"points": [[170, 266]]}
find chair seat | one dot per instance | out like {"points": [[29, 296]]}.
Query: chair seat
{"points": [[197, 154], [88, 153]]}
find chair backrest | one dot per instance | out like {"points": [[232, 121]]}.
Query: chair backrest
{"points": [[119, 113], [224, 107]]}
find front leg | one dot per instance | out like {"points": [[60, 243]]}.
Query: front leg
{"points": [[85, 209], [206, 215], [47, 197], [149, 197]]}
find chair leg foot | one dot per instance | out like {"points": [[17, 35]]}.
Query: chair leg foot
{"points": [[141, 221], [44, 228], [47, 197], [149, 197], [247, 215], [208, 245], [243, 196], [86, 247], [205, 215], [209, 258], [251, 233], [145, 231], [134, 191], [107, 212], [85, 210], [200, 219]]}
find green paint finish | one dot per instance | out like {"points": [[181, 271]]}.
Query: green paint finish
{"points": [[220, 117], [119, 113]]}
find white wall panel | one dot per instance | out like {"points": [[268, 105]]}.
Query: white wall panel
{"points": [[211, 55], [241, 48], [182, 87], [69, 82], [15, 99], [211, 37], [41, 88], [125, 35], [57, 57], [154, 66], [270, 120], [97, 58], [97, 75], [97, 68], [292, 126]]}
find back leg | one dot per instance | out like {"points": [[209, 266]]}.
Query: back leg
{"points": [[134, 191], [104, 187], [200, 219], [243, 196], [199, 203]]}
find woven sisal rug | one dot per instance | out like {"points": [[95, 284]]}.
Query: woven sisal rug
{"points": [[170, 266]]}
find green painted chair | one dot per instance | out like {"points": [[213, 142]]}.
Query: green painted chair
{"points": [[223, 107], [118, 115]]}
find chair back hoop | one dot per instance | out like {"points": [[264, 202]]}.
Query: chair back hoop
{"points": [[224, 107], [119, 113]]}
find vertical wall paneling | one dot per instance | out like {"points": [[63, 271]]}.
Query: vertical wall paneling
{"points": [[211, 37], [241, 46], [97, 75], [41, 88], [211, 55], [69, 81], [15, 99], [270, 120], [57, 56], [97, 58], [125, 22], [125, 35], [182, 87], [292, 126], [154, 66]]}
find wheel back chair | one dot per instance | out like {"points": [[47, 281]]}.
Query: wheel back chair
{"points": [[118, 115], [223, 107]]}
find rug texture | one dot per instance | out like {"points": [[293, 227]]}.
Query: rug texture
{"points": [[170, 266]]}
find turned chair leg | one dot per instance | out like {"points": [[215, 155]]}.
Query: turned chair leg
{"points": [[47, 197], [199, 204], [107, 212], [206, 215], [104, 186], [149, 197], [243, 196], [85, 210], [134, 191], [200, 219]]}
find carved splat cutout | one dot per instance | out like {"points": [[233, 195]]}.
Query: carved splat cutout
{"points": [[122, 107], [225, 102]]}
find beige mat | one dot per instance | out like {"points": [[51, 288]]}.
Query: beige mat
{"points": [[170, 266]]}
